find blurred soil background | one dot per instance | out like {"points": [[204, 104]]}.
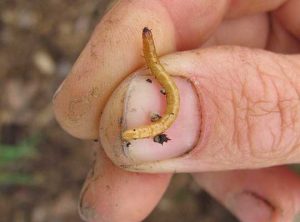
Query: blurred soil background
{"points": [[41, 167]]}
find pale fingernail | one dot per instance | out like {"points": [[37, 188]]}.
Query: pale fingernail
{"points": [[249, 207], [87, 213], [145, 100], [86, 209], [297, 217], [58, 90]]}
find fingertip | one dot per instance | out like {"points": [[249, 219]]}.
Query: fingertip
{"points": [[112, 194], [143, 99]]}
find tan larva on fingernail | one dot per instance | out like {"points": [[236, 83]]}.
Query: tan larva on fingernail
{"points": [[172, 94]]}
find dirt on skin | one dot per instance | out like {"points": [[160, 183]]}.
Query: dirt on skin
{"points": [[42, 168]]}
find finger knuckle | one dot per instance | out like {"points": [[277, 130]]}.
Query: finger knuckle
{"points": [[266, 116]]}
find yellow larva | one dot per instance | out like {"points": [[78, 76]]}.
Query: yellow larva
{"points": [[172, 94]]}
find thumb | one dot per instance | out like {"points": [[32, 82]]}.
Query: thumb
{"points": [[239, 108]]}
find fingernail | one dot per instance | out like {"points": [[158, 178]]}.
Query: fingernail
{"points": [[249, 207], [58, 90], [87, 213], [145, 99], [297, 217], [110, 5], [86, 209]]}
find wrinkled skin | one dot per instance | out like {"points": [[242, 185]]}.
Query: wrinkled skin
{"points": [[242, 100]]}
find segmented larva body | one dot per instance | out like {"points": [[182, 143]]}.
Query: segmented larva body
{"points": [[171, 90]]}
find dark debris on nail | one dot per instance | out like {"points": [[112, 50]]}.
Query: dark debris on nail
{"points": [[161, 138], [163, 91]]}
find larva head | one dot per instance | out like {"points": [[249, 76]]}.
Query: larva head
{"points": [[147, 32], [148, 43]]}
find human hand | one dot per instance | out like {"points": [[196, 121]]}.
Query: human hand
{"points": [[240, 107]]}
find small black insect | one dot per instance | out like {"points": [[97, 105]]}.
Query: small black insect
{"points": [[149, 80], [163, 91], [128, 144], [96, 140], [161, 138]]}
